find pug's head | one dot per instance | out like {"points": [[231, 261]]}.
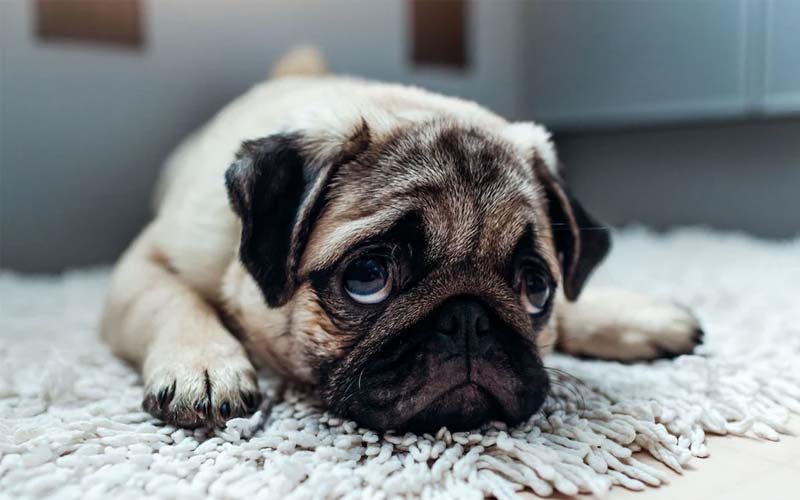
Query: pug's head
{"points": [[415, 269]]}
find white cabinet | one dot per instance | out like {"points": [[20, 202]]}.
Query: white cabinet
{"points": [[782, 54], [586, 63]]}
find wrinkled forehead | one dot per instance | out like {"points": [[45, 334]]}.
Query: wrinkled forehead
{"points": [[472, 193]]}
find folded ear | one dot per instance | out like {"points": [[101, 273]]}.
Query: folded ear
{"points": [[581, 241], [278, 189]]}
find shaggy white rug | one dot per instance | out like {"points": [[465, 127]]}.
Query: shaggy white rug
{"points": [[71, 425]]}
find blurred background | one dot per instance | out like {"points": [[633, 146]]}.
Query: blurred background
{"points": [[666, 112]]}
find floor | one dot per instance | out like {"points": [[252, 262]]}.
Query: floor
{"points": [[738, 469]]}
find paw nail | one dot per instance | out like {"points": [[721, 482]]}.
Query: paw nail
{"points": [[162, 396], [699, 335], [249, 400], [225, 410], [149, 403]]}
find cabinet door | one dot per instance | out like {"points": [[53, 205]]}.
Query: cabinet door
{"points": [[782, 81], [613, 62]]}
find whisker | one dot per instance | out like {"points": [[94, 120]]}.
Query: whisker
{"points": [[580, 228], [573, 385]]}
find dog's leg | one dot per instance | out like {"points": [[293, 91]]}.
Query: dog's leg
{"points": [[195, 372], [609, 323]]}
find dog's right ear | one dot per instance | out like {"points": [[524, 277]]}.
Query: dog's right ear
{"points": [[278, 192]]}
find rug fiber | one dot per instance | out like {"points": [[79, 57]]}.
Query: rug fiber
{"points": [[71, 425]]}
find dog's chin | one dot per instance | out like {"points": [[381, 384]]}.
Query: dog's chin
{"points": [[460, 406], [429, 392], [465, 406]]}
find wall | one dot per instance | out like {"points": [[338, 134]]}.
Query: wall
{"points": [[739, 176], [84, 128]]}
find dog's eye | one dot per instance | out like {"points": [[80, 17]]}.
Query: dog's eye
{"points": [[534, 292], [368, 280]]}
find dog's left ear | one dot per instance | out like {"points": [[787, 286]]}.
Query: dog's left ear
{"points": [[277, 186], [581, 241]]}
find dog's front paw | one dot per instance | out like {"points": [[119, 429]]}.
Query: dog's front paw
{"points": [[626, 326], [658, 330], [194, 389]]}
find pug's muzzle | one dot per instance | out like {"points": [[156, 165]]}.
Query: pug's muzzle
{"points": [[459, 367]]}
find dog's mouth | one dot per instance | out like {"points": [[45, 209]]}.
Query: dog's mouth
{"points": [[465, 406], [450, 394], [425, 380]]}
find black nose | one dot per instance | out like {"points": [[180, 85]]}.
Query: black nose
{"points": [[460, 324]]}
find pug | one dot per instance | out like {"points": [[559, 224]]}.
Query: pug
{"points": [[409, 256]]}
